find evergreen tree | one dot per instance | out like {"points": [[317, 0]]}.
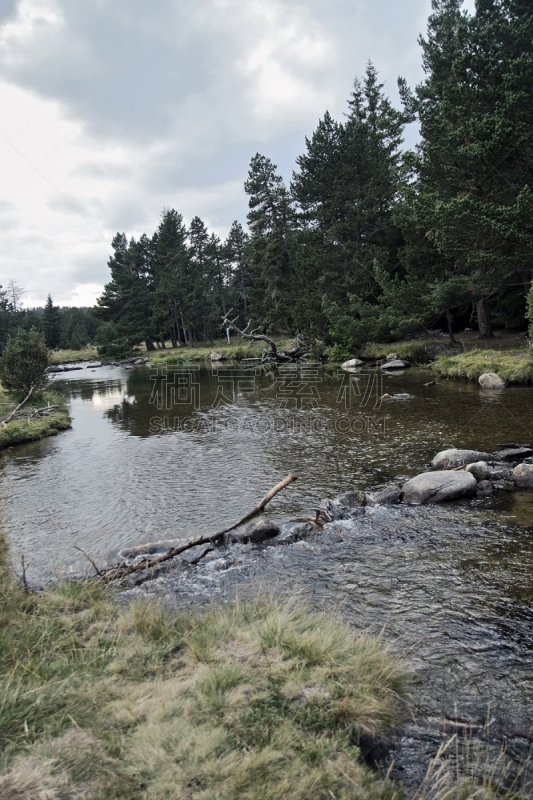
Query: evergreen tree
{"points": [[236, 254], [172, 312], [271, 222], [51, 324], [474, 199], [23, 363]]}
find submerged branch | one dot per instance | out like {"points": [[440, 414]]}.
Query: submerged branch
{"points": [[120, 571]]}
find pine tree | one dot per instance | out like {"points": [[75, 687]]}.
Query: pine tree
{"points": [[474, 200], [51, 323], [171, 311], [271, 222], [236, 254]]}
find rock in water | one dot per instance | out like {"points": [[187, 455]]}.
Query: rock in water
{"points": [[515, 453], [388, 496], [434, 487], [395, 363], [351, 499], [480, 470], [449, 459], [256, 532], [352, 363], [523, 476], [485, 489], [489, 380], [214, 356]]}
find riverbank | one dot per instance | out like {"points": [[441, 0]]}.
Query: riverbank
{"points": [[234, 351], [26, 429], [513, 366], [249, 700], [73, 356]]}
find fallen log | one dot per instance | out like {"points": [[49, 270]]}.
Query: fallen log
{"points": [[10, 416], [120, 571]]}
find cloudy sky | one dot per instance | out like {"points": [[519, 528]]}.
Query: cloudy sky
{"points": [[116, 109]]}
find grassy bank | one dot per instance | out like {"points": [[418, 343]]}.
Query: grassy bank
{"points": [[514, 366], [23, 430], [73, 356], [237, 350], [254, 701]]}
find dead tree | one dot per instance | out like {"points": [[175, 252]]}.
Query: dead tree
{"points": [[272, 354]]}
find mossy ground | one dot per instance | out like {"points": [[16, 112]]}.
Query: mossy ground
{"points": [[514, 366], [261, 701], [19, 431]]}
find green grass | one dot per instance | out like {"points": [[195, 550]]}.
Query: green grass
{"points": [[261, 701], [411, 351], [73, 356], [237, 350], [514, 366], [23, 430]]}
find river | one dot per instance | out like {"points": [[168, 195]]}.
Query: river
{"points": [[164, 454]]}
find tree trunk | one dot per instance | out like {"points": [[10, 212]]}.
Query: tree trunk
{"points": [[449, 319], [149, 343], [484, 319]]}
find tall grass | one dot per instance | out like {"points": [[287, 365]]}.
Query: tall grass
{"points": [[259, 701]]}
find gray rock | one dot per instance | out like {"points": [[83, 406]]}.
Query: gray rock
{"points": [[523, 476], [352, 363], [214, 356], [515, 453], [395, 363], [294, 532], [480, 470], [504, 486], [393, 356], [449, 459], [485, 489], [256, 532], [139, 361], [434, 487], [489, 380], [351, 499], [389, 495]]}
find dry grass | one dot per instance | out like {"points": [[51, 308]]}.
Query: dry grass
{"points": [[237, 350], [260, 701], [73, 356]]}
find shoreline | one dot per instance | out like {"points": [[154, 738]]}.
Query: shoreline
{"points": [[23, 430]]}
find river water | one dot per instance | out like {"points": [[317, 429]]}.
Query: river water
{"points": [[165, 454]]}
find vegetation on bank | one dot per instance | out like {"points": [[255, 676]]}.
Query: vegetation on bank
{"points": [[236, 350], [88, 353], [515, 366], [257, 701], [24, 429]]}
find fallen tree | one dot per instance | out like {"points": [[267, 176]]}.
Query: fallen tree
{"points": [[123, 570], [271, 354]]}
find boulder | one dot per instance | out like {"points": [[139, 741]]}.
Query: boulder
{"points": [[256, 532], [388, 496], [214, 356], [489, 380], [352, 363], [139, 361], [393, 356], [515, 453], [434, 487], [523, 476], [395, 363], [351, 499], [295, 532], [480, 470], [452, 458], [485, 489]]}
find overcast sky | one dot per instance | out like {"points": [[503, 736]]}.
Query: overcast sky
{"points": [[116, 109]]}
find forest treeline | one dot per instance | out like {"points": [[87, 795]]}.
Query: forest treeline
{"points": [[369, 241]]}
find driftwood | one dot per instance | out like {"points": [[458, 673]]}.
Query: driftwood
{"points": [[10, 416], [269, 355], [120, 571]]}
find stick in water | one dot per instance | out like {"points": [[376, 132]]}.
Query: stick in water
{"points": [[122, 570]]}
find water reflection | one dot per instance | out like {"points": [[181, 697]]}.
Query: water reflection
{"points": [[160, 454]]}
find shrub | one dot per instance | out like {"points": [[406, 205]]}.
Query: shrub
{"points": [[23, 363]]}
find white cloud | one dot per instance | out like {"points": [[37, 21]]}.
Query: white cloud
{"points": [[127, 108]]}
